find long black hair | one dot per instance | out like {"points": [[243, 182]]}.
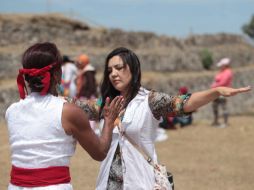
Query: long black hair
{"points": [[131, 59]]}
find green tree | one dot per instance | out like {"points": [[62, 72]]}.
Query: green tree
{"points": [[206, 59], [249, 28]]}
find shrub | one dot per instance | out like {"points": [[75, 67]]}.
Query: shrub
{"points": [[206, 59]]}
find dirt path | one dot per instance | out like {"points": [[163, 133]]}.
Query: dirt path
{"points": [[201, 157]]}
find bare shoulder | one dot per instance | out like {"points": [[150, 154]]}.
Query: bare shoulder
{"points": [[73, 117], [73, 111], [70, 109]]}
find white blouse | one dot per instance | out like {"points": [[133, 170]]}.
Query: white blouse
{"points": [[141, 118], [138, 123]]}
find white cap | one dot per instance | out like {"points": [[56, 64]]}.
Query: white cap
{"points": [[223, 62]]}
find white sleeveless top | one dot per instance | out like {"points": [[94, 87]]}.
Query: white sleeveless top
{"points": [[140, 125], [36, 136]]}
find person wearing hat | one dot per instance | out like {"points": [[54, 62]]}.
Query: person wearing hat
{"points": [[222, 78], [86, 84], [86, 81]]}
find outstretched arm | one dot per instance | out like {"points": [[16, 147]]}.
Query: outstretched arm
{"points": [[201, 98]]}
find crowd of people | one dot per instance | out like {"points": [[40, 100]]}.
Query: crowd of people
{"points": [[78, 78], [44, 127], [79, 81]]}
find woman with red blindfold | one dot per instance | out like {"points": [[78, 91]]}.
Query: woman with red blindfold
{"points": [[44, 128]]}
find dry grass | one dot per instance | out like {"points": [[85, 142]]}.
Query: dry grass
{"points": [[201, 157]]}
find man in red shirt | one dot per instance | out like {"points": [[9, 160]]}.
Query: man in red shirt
{"points": [[223, 78]]}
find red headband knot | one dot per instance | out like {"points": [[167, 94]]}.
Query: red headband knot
{"points": [[34, 72]]}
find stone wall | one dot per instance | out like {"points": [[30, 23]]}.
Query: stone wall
{"points": [[171, 60], [174, 62], [240, 104], [158, 53], [7, 97]]}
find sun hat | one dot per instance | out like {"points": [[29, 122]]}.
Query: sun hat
{"points": [[223, 62]]}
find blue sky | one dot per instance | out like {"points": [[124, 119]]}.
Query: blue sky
{"points": [[177, 18]]}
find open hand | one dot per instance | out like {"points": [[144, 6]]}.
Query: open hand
{"points": [[113, 108], [226, 91]]}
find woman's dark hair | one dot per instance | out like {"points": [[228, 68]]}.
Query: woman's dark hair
{"points": [[38, 56], [129, 58]]}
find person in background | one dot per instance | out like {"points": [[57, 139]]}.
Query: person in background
{"points": [[86, 84], [86, 81], [185, 120], [43, 128], [222, 79], [167, 123], [171, 122], [69, 75]]}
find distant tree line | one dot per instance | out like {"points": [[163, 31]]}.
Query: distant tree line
{"points": [[249, 28]]}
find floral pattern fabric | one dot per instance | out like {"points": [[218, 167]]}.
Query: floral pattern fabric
{"points": [[115, 179], [164, 105]]}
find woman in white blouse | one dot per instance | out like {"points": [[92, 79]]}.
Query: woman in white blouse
{"points": [[125, 167]]}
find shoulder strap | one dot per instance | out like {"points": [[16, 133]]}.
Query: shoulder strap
{"points": [[122, 133], [142, 152]]}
